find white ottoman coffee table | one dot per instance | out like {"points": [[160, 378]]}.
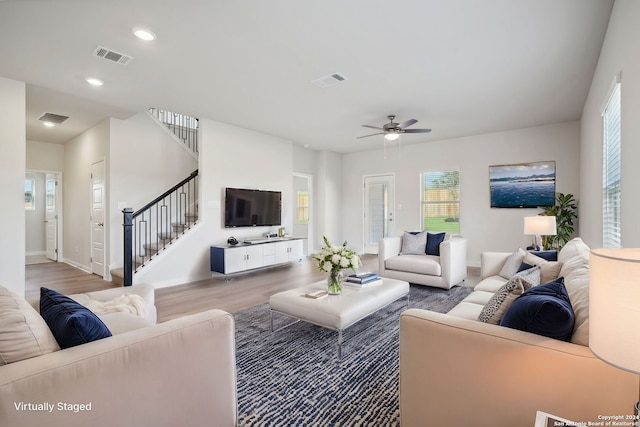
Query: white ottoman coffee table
{"points": [[337, 312]]}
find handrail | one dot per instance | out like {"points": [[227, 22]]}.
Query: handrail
{"points": [[166, 193], [157, 224]]}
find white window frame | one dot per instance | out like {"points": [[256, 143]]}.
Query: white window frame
{"points": [[612, 168], [32, 206], [424, 203]]}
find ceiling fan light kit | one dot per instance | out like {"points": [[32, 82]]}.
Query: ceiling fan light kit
{"points": [[392, 130]]}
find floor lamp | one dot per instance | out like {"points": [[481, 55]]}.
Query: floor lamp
{"points": [[614, 307], [540, 225]]}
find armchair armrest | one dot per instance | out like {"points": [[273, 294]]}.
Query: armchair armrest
{"points": [[453, 260], [387, 247]]}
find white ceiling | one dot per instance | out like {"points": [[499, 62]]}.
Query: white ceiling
{"points": [[460, 67]]}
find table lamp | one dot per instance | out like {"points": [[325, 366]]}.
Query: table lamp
{"points": [[614, 307], [540, 225]]}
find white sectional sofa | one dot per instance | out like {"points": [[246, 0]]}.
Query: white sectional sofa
{"points": [[176, 373], [455, 369], [443, 271]]}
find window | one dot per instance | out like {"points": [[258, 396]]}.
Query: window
{"points": [[303, 207], [441, 201], [611, 170], [29, 194]]}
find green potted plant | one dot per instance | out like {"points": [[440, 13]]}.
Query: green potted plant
{"points": [[565, 210]]}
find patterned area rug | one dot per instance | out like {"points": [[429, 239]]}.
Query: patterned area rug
{"points": [[293, 377]]}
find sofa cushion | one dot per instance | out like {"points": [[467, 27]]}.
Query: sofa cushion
{"points": [[71, 323], [433, 243], [512, 264], [419, 264], [491, 284], [23, 333], [495, 308], [551, 255], [413, 243], [549, 270], [121, 322], [544, 310]]}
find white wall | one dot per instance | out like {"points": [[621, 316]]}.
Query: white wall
{"points": [[486, 229], [43, 156], [329, 197], [79, 153], [229, 157], [12, 168], [619, 54], [144, 163]]}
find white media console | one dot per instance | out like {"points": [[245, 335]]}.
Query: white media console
{"points": [[255, 254]]}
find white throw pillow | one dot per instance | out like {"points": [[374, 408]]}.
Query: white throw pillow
{"points": [[414, 244], [23, 332], [512, 264]]}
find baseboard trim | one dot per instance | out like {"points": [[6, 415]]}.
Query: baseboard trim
{"points": [[78, 266]]}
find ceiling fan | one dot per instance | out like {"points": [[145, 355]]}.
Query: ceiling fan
{"points": [[392, 130]]}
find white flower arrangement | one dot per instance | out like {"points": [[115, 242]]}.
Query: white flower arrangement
{"points": [[334, 258]]}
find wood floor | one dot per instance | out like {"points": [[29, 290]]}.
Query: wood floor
{"points": [[242, 291]]}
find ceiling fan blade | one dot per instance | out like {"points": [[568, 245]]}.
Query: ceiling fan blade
{"points": [[372, 127], [408, 123], [417, 131], [373, 134]]}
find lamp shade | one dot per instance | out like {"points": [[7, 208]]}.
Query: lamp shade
{"points": [[540, 225], [614, 307]]}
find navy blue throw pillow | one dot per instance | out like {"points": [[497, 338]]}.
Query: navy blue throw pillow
{"points": [[71, 323], [524, 266], [544, 310], [433, 243], [548, 255]]}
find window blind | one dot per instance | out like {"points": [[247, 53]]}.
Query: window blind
{"points": [[441, 201], [611, 172]]}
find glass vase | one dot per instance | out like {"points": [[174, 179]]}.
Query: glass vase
{"points": [[334, 282]]}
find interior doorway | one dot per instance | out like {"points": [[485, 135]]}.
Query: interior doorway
{"points": [[302, 210], [43, 216], [379, 201]]}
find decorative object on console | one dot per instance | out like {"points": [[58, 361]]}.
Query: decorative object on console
{"points": [[537, 226], [614, 296], [333, 259], [565, 210], [232, 241], [523, 185]]}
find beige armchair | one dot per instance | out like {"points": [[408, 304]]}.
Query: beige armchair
{"points": [[444, 271]]}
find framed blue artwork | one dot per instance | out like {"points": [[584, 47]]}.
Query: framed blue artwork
{"points": [[523, 185]]}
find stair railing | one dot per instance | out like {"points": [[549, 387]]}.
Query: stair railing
{"points": [[182, 126], [155, 226]]}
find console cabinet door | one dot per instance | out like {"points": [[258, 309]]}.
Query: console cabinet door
{"points": [[296, 250], [254, 257], [282, 252], [235, 259]]}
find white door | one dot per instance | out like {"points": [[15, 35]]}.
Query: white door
{"points": [[97, 218], [51, 217], [378, 210]]}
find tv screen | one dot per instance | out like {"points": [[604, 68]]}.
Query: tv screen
{"points": [[252, 208]]}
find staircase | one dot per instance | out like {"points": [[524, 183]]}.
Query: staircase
{"points": [[156, 226]]}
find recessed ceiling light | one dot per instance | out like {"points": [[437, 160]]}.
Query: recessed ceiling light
{"points": [[94, 82], [144, 34], [48, 124]]}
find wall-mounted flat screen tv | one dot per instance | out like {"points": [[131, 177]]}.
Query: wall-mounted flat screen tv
{"points": [[252, 208]]}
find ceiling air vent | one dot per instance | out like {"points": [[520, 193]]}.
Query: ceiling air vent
{"points": [[53, 118], [329, 80], [112, 55]]}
